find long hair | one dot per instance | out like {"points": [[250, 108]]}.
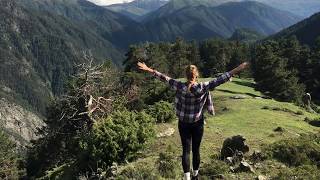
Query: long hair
{"points": [[191, 74]]}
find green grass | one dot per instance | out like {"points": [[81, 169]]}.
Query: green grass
{"points": [[243, 116]]}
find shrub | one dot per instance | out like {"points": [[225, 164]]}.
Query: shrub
{"points": [[214, 168], [138, 172], [167, 164], [117, 138], [299, 112], [313, 122], [296, 152], [8, 158], [162, 111], [302, 172]]}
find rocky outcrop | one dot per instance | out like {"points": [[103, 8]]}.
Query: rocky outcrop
{"points": [[233, 145], [18, 122]]}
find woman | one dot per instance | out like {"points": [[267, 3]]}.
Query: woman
{"points": [[190, 100]]}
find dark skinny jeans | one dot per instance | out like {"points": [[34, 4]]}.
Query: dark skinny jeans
{"points": [[191, 133]]}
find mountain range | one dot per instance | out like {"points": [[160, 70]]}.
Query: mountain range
{"points": [[140, 9], [201, 22], [136, 9]]}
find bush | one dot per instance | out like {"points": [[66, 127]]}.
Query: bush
{"points": [[167, 164], [162, 111], [117, 138], [296, 152], [299, 173], [138, 172], [299, 112], [214, 168], [8, 158]]}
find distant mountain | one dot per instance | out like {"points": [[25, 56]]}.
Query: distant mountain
{"points": [[136, 9], [114, 27], [303, 8], [201, 22], [306, 31], [175, 5]]}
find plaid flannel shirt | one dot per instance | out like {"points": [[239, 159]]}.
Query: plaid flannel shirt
{"points": [[189, 105]]}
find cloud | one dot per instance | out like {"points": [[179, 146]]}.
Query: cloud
{"points": [[108, 2]]}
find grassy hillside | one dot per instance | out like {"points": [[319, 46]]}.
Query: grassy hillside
{"points": [[254, 117]]}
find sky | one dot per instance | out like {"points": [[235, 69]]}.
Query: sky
{"points": [[108, 2]]}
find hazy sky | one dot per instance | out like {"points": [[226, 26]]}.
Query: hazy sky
{"points": [[108, 2]]}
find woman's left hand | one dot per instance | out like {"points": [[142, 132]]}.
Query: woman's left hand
{"points": [[144, 67], [243, 66]]}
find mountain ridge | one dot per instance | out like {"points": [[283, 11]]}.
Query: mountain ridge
{"points": [[306, 31], [201, 22]]}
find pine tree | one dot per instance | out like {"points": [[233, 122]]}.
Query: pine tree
{"points": [[273, 75], [178, 58]]}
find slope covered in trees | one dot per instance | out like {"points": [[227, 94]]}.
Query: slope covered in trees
{"points": [[287, 69], [306, 31], [113, 27], [201, 22], [39, 52], [176, 5], [246, 35]]}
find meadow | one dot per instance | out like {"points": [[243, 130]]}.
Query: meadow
{"points": [[240, 110]]}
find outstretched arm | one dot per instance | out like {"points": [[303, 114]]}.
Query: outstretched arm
{"points": [[174, 84], [239, 68], [224, 77]]}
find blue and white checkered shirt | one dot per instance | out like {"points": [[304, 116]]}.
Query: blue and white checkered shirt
{"points": [[189, 104]]}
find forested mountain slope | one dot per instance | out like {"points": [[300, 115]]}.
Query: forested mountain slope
{"points": [[306, 31], [200, 22], [40, 50], [121, 31]]}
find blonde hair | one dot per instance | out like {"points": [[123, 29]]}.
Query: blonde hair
{"points": [[191, 74]]}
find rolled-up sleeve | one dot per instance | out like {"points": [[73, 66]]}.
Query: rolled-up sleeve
{"points": [[174, 84], [210, 85]]}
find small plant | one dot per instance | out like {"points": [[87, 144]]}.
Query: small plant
{"points": [[304, 150], [167, 163], [313, 122], [299, 112], [138, 172], [117, 138], [276, 109], [302, 172], [162, 111], [214, 167], [9, 158]]}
